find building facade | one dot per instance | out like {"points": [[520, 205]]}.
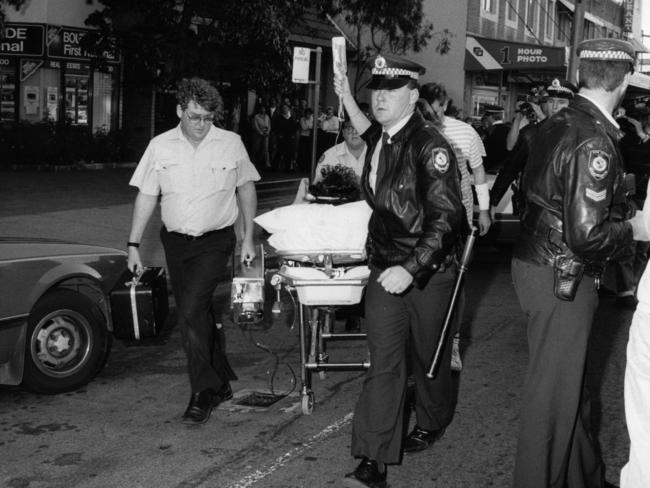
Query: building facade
{"points": [[515, 44], [46, 74]]}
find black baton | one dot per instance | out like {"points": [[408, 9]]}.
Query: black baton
{"points": [[444, 334]]}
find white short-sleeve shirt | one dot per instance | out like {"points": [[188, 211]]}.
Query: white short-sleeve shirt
{"points": [[469, 150], [197, 186], [340, 154]]}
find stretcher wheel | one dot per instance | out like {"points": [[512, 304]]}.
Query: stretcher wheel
{"points": [[307, 404]]}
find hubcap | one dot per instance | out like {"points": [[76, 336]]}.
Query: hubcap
{"points": [[61, 343]]}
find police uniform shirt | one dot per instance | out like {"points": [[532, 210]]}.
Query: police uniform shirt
{"points": [[374, 161], [197, 185]]}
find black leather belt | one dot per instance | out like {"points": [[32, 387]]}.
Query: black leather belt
{"points": [[189, 237]]}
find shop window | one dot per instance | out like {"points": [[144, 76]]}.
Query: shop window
{"points": [[7, 95], [532, 8], [76, 99], [511, 13], [490, 9], [549, 16], [102, 101]]}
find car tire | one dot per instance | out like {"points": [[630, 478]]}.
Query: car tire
{"points": [[67, 343]]}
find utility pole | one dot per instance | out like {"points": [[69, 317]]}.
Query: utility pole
{"points": [[576, 37]]}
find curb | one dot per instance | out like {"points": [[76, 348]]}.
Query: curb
{"points": [[71, 167]]}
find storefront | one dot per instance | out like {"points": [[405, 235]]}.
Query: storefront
{"points": [[46, 74], [501, 72]]}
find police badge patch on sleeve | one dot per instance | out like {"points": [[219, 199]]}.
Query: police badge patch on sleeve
{"points": [[440, 159], [598, 164]]}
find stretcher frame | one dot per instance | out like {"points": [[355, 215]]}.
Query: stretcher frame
{"points": [[318, 319]]}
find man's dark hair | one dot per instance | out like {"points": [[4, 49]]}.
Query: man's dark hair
{"points": [[606, 75], [201, 92], [432, 92]]}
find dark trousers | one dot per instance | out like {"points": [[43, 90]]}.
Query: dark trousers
{"points": [[402, 328], [195, 268], [555, 448]]}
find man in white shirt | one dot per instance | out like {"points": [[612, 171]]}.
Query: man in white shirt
{"points": [[350, 153], [470, 153], [205, 180]]}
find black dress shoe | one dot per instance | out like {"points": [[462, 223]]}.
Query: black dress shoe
{"points": [[610, 485], [200, 407], [224, 394], [419, 439], [366, 475]]}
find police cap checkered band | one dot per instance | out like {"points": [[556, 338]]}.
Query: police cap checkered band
{"points": [[606, 55], [389, 66], [606, 50]]}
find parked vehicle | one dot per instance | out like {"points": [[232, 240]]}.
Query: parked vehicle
{"points": [[505, 227], [55, 318]]}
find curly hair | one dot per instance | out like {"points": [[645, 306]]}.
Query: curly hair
{"points": [[201, 92]]}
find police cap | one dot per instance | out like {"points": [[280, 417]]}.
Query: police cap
{"points": [[606, 49], [561, 88], [392, 72]]}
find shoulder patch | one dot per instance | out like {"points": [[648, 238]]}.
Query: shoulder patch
{"points": [[596, 196], [440, 158], [598, 164]]}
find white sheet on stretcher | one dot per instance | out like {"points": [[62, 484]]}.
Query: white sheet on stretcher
{"points": [[313, 227]]}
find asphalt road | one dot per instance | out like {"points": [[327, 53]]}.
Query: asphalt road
{"points": [[123, 429]]}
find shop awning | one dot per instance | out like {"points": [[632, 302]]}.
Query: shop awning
{"points": [[639, 85], [493, 54]]}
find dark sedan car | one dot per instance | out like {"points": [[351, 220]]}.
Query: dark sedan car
{"points": [[55, 316]]}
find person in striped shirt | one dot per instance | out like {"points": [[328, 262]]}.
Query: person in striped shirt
{"points": [[469, 152]]}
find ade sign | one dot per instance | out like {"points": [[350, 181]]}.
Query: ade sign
{"points": [[22, 40]]}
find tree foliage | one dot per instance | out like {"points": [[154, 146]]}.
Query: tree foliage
{"points": [[386, 26], [4, 4], [168, 39]]}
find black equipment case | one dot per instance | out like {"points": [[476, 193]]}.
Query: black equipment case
{"points": [[139, 304]]}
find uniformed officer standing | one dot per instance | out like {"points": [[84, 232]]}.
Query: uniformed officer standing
{"points": [[574, 220], [556, 97], [411, 181]]}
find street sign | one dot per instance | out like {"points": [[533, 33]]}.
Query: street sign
{"points": [[300, 71]]}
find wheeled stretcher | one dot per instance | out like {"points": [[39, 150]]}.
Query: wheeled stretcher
{"points": [[323, 281]]}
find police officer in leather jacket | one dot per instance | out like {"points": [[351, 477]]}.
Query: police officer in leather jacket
{"points": [[574, 221], [412, 183], [556, 97]]}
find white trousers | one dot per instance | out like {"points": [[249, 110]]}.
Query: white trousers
{"points": [[636, 473]]}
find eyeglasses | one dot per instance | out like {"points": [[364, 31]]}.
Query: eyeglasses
{"points": [[196, 118]]}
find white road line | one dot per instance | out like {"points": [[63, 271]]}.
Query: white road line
{"points": [[280, 461]]}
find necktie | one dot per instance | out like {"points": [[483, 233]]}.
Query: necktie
{"points": [[381, 163]]}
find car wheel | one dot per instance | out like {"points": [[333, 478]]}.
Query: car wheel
{"points": [[67, 343]]}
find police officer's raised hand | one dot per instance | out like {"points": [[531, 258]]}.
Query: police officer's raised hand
{"points": [[395, 279], [341, 85]]}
